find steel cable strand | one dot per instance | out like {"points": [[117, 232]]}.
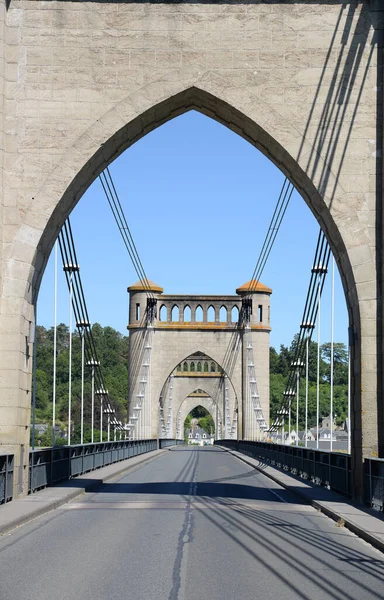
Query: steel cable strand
{"points": [[123, 227], [117, 217], [79, 307], [274, 226], [272, 234], [322, 256], [269, 229], [129, 231], [80, 281]]}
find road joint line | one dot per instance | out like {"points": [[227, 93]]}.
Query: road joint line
{"points": [[325, 510]]}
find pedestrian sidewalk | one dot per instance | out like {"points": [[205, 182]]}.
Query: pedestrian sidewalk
{"points": [[17, 512], [363, 521]]}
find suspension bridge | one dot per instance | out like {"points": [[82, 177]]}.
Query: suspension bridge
{"points": [[80, 83]]}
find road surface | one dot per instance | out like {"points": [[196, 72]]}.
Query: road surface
{"points": [[191, 524]]}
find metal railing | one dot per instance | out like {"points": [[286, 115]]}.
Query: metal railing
{"points": [[164, 443], [6, 477], [52, 465], [374, 483], [330, 469]]}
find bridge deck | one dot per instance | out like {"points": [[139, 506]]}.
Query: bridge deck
{"points": [[192, 523]]}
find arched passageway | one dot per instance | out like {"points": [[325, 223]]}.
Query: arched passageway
{"points": [[185, 388], [199, 398], [296, 129]]}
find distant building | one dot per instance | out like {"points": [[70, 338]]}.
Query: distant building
{"points": [[40, 428], [326, 423], [325, 434], [198, 436]]}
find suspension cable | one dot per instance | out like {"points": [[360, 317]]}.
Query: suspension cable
{"points": [[273, 229], [232, 349], [121, 221], [315, 289], [79, 306]]}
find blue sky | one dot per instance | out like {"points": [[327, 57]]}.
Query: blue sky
{"points": [[198, 199]]}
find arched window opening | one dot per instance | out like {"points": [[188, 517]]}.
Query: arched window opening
{"points": [[223, 314], [213, 367], [205, 367], [260, 313], [211, 315], [187, 314], [179, 367], [235, 314], [185, 367], [163, 314], [199, 417], [199, 367], [175, 313], [199, 315], [192, 367]]}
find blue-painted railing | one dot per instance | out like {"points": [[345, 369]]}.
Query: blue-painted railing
{"points": [[6, 477], [374, 482], [48, 466], [164, 443], [331, 469]]}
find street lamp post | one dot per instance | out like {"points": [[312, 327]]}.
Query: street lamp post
{"points": [[298, 364], [320, 270], [332, 346], [109, 411], [81, 326], [92, 363], [282, 413], [101, 392], [289, 394], [71, 269], [54, 346], [308, 327]]}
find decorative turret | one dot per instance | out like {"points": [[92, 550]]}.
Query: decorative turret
{"points": [[138, 299], [258, 306], [253, 287], [146, 286]]}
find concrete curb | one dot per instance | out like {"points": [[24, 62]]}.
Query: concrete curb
{"points": [[337, 516], [64, 493]]}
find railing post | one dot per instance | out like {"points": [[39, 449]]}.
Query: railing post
{"points": [[347, 475], [6, 481], [51, 469], [370, 482], [329, 470]]}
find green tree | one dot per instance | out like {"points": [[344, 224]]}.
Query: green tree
{"points": [[280, 367], [112, 350], [340, 362]]}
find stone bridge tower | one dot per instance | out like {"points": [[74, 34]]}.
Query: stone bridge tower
{"points": [[301, 80], [194, 353]]}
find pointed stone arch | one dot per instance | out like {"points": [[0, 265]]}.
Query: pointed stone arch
{"points": [[248, 103], [189, 403], [182, 387]]}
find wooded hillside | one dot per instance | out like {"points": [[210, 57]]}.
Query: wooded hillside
{"points": [[112, 348]]}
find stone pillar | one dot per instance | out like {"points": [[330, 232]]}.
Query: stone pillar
{"points": [[367, 344], [16, 358], [205, 312]]}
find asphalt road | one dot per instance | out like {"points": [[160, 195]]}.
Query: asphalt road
{"points": [[192, 524]]}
